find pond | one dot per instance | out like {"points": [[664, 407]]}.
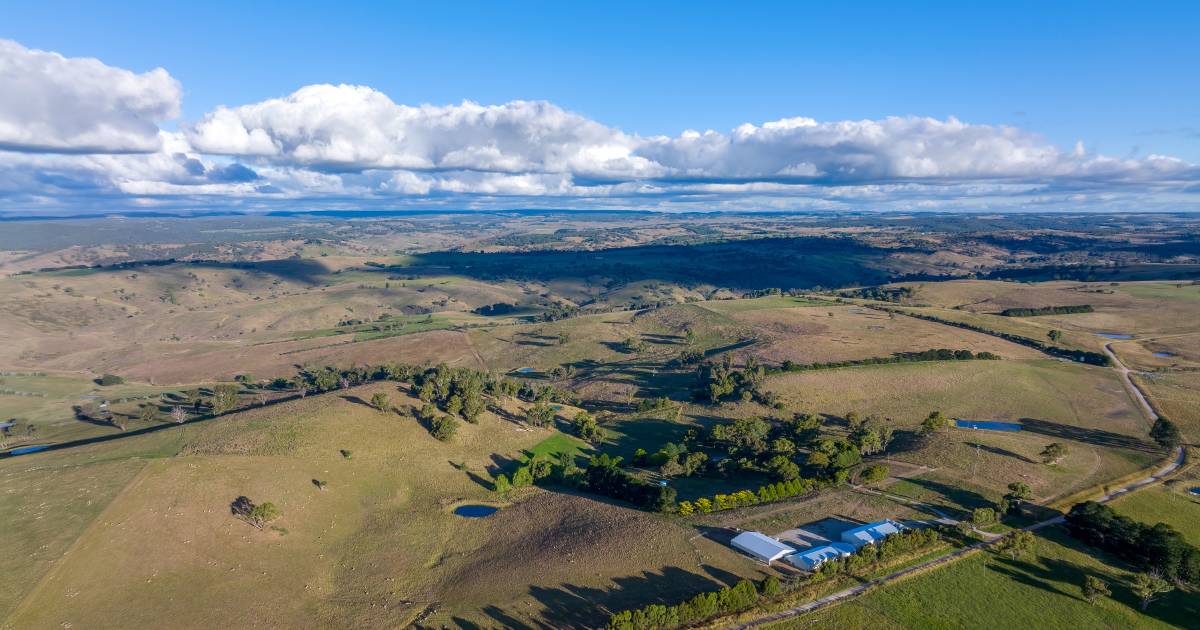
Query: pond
{"points": [[1163, 355], [1195, 491], [524, 370], [475, 511], [991, 426], [1114, 335], [28, 449]]}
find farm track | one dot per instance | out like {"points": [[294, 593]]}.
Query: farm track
{"points": [[948, 558], [1142, 403]]}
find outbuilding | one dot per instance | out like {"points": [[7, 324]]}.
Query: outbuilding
{"points": [[761, 547], [871, 533], [812, 559]]}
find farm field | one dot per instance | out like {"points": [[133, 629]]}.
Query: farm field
{"points": [[1176, 395], [824, 333], [376, 548], [1041, 590], [1083, 407], [658, 342]]}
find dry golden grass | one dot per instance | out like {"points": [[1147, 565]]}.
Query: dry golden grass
{"points": [[809, 334], [375, 549]]}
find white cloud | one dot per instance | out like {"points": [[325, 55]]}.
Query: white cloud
{"points": [[346, 127], [80, 132], [52, 103]]}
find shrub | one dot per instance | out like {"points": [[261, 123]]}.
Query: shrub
{"points": [[109, 379], [443, 427]]}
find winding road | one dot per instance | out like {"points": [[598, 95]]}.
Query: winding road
{"points": [[1143, 403]]}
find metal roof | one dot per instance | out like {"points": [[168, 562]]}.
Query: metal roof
{"points": [[871, 532], [761, 546]]}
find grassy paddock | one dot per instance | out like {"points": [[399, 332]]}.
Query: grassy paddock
{"points": [[986, 590]]}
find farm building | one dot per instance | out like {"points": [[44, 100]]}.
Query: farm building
{"points": [[761, 546], [813, 558], [871, 533]]}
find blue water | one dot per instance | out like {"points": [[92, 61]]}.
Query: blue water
{"points": [[1195, 491], [991, 426], [475, 511], [1163, 355], [1115, 335], [556, 407], [28, 449], [524, 370]]}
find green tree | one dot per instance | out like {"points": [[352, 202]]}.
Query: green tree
{"points": [[443, 428], [1053, 453], [983, 517], [110, 379], [633, 345], [540, 414], [933, 423], [540, 468], [1165, 433], [522, 477], [501, 484], [263, 513], [1017, 543], [782, 467], [1018, 493], [1094, 588], [1054, 335], [380, 401], [1148, 586], [148, 413], [873, 473], [224, 398]]}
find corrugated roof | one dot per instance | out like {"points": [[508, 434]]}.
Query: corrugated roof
{"points": [[871, 532], [760, 545]]}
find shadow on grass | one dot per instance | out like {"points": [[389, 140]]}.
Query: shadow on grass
{"points": [[963, 500], [1000, 451], [1097, 437], [576, 606]]}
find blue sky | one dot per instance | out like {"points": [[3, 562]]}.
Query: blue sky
{"points": [[1120, 78]]}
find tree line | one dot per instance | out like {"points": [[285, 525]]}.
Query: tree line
{"points": [[938, 354], [1158, 548], [1081, 356], [1046, 310], [744, 595]]}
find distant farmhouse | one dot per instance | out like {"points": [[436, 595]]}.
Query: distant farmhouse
{"points": [[761, 546]]}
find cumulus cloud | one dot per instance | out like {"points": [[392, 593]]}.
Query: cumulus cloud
{"points": [[79, 131], [356, 128], [346, 127], [53, 103]]}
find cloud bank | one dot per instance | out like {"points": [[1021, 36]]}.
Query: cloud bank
{"points": [[79, 135]]}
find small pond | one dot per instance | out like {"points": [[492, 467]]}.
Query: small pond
{"points": [[1195, 491], [1163, 355], [1114, 335], [28, 449], [524, 370], [475, 511]]}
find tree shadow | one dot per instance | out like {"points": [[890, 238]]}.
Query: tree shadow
{"points": [[573, 606], [963, 500], [1097, 437], [1000, 451]]}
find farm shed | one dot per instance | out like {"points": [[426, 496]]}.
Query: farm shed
{"points": [[871, 533], [813, 558], [761, 546]]}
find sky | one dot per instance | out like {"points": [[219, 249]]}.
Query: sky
{"points": [[662, 106]]}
